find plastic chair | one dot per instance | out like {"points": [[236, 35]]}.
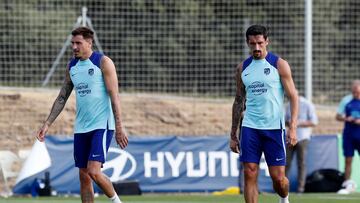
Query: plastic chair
{"points": [[7, 159]]}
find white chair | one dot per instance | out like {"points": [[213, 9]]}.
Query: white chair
{"points": [[7, 159]]}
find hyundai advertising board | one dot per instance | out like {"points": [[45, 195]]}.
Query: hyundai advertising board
{"points": [[159, 164]]}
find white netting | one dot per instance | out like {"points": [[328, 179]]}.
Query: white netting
{"points": [[181, 47]]}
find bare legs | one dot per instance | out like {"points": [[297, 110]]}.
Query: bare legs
{"points": [[86, 187], [277, 173], [251, 192], [348, 163], [93, 173], [280, 182]]}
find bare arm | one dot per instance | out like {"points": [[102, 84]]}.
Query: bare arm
{"points": [[305, 124], [340, 117], [111, 82], [340, 111], [237, 110], [311, 120], [57, 106], [291, 92], [343, 118]]}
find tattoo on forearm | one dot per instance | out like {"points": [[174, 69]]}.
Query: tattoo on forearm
{"points": [[60, 101], [239, 104], [116, 112], [237, 112]]}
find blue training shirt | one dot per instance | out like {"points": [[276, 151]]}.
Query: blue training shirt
{"points": [[264, 93], [93, 106], [352, 109]]}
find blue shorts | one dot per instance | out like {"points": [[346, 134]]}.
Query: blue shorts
{"points": [[350, 144], [91, 146], [254, 141]]}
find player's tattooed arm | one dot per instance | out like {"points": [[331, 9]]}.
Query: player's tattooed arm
{"points": [[61, 99], [239, 104]]}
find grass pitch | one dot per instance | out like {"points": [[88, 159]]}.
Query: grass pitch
{"points": [[190, 198]]}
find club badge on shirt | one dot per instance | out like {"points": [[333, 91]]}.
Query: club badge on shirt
{"points": [[266, 71], [91, 71]]}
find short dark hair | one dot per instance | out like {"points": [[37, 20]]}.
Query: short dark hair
{"points": [[257, 30], [86, 32]]}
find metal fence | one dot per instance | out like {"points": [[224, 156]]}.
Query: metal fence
{"points": [[184, 47], [171, 47]]}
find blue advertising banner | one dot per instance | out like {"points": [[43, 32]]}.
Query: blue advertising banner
{"points": [[159, 164]]}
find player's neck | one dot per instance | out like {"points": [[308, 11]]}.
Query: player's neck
{"points": [[86, 56]]}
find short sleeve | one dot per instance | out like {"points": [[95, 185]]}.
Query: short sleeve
{"points": [[344, 101]]}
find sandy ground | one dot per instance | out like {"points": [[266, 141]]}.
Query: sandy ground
{"points": [[22, 112]]}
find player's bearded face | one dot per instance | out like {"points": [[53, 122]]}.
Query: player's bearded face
{"points": [[257, 45], [80, 46]]}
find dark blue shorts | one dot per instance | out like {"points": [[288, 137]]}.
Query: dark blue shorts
{"points": [[253, 142], [91, 146], [350, 144]]}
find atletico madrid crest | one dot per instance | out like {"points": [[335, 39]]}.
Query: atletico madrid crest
{"points": [[266, 71], [91, 71]]}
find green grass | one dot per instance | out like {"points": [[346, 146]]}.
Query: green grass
{"points": [[190, 198]]}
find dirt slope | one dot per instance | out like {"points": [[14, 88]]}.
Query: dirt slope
{"points": [[23, 110]]}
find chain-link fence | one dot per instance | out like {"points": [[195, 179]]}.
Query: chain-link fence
{"points": [[185, 47], [179, 47]]}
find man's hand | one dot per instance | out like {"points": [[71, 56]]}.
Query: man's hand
{"points": [[291, 138], [42, 132], [121, 138], [349, 119], [234, 145], [357, 121]]}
